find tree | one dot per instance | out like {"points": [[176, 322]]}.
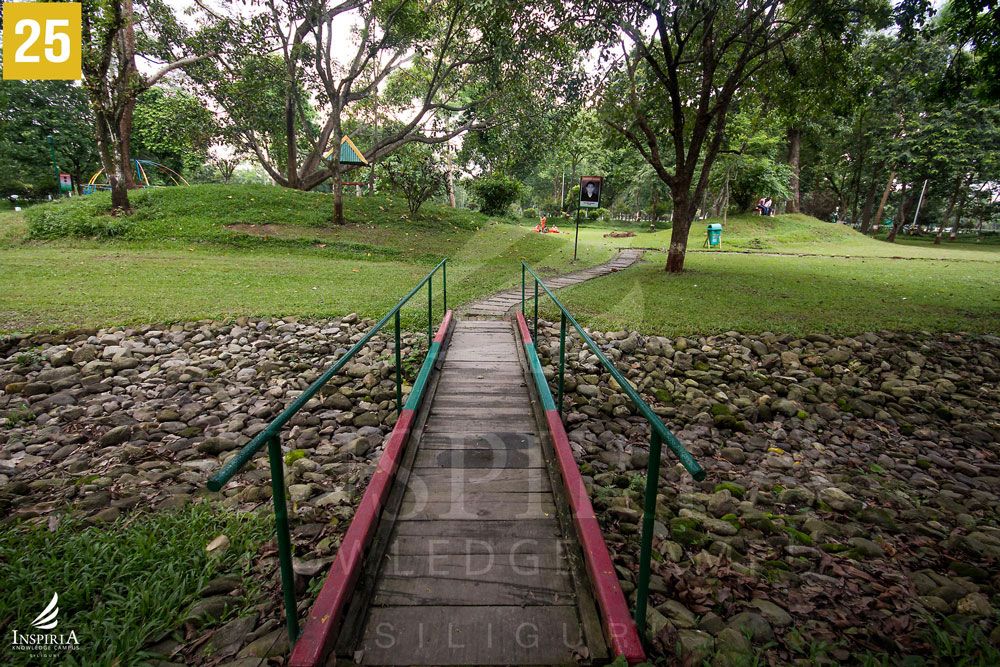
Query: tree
{"points": [[31, 111], [444, 60], [111, 46], [172, 127], [694, 60], [416, 172]]}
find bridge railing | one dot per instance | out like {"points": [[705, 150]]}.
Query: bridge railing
{"points": [[659, 433], [271, 435]]}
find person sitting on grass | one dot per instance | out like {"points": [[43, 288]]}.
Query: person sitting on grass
{"points": [[540, 227], [759, 208]]}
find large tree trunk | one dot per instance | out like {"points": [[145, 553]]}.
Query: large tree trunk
{"points": [[794, 150], [904, 210], [108, 147], [451, 176], [869, 207], [948, 211], [338, 192], [885, 198], [683, 216]]}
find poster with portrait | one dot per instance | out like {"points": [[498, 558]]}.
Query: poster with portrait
{"points": [[590, 191]]}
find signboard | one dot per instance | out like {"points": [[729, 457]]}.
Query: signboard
{"points": [[65, 182], [42, 40], [590, 191]]}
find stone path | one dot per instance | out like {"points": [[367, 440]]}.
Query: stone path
{"points": [[501, 303]]}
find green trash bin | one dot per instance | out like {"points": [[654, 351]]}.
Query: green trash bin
{"points": [[714, 235]]}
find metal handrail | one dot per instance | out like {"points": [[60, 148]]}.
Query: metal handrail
{"points": [[659, 433], [270, 436]]}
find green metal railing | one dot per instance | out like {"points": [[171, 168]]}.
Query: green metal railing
{"points": [[271, 437], [659, 433]]}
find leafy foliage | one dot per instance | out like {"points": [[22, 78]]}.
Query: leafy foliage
{"points": [[172, 127], [415, 172], [495, 193], [30, 111], [121, 586]]}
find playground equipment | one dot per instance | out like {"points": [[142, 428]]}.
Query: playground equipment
{"points": [[488, 407], [142, 172]]}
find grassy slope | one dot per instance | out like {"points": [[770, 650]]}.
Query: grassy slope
{"points": [[801, 234], [791, 294], [174, 259]]}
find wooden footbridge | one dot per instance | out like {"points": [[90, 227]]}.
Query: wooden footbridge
{"points": [[475, 542]]}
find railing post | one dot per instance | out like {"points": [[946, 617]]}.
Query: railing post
{"points": [[444, 284], [648, 517], [284, 541], [522, 288], [535, 334], [430, 300], [399, 369], [562, 359]]}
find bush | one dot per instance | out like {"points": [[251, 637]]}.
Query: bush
{"points": [[77, 219], [496, 193], [415, 171], [529, 213]]}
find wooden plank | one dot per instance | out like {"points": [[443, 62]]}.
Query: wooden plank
{"points": [[494, 400], [480, 412], [494, 567], [511, 635], [422, 545], [479, 458], [538, 529], [497, 440], [478, 427], [531, 479], [549, 587], [531, 506], [445, 492]]}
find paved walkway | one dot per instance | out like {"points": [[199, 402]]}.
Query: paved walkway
{"points": [[500, 304]]}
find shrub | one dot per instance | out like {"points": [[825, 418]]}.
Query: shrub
{"points": [[76, 219], [496, 193], [529, 213], [415, 171]]}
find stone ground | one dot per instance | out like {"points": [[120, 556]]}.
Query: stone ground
{"points": [[852, 505], [100, 424]]}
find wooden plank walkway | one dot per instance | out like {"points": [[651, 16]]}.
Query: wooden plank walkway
{"points": [[500, 304], [477, 563]]}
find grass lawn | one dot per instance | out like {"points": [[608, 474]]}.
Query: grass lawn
{"points": [[126, 584], [799, 234], [174, 259], [751, 293], [213, 251]]}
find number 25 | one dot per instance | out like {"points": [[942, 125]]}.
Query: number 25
{"points": [[51, 37]]}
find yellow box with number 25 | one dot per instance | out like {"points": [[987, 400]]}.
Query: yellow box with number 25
{"points": [[41, 40]]}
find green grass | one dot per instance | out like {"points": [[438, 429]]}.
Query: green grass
{"points": [[175, 259], [800, 234], [122, 586], [179, 257], [751, 293]]}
